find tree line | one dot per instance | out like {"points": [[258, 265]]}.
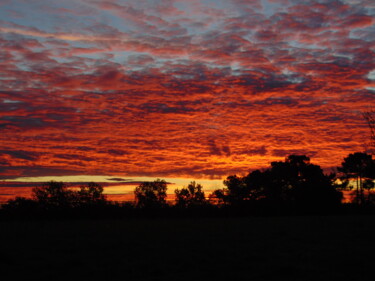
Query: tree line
{"points": [[293, 184]]}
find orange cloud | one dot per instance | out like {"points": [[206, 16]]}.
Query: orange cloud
{"points": [[182, 89]]}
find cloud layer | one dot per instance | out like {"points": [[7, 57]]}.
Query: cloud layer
{"points": [[181, 88]]}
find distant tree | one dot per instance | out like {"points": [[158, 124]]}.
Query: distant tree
{"points": [[243, 190], [190, 196], [218, 197], [359, 167], [54, 195], [58, 195], [92, 194], [298, 181], [257, 183], [151, 194], [293, 182], [288, 176], [20, 204], [237, 191]]}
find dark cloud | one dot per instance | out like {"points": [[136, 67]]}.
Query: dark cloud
{"points": [[20, 154], [74, 157], [139, 60], [262, 150], [288, 101], [118, 179], [21, 121], [287, 152], [219, 150], [32, 171], [163, 108], [115, 152]]}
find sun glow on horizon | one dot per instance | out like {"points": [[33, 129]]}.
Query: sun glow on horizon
{"points": [[121, 181]]}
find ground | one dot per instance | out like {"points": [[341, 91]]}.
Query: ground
{"points": [[259, 248]]}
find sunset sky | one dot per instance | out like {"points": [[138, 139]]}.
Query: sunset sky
{"points": [[193, 89]]}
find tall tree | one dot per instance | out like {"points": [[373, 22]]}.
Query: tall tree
{"points": [[370, 119], [302, 183], [294, 181], [360, 167], [54, 195]]}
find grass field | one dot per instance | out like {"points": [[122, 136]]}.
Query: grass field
{"points": [[271, 248]]}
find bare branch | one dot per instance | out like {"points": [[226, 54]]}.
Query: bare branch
{"points": [[369, 116]]}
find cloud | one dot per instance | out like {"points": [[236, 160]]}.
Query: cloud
{"points": [[20, 154], [171, 88], [59, 36], [287, 152], [32, 171], [118, 179], [140, 60], [262, 150]]}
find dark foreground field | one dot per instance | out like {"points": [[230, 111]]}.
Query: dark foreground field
{"points": [[281, 248]]}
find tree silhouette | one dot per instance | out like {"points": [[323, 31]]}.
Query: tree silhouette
{"points": [[58, 195], [190, 196], [360, 167], [151, 194], [258, 183], [294, 182], [53, 195], [20, 204], [91, 194], [237, 190], [370, 119], [218, 197], [302, 183]]}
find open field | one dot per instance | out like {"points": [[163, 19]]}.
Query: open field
{"points": [[271, 248]]}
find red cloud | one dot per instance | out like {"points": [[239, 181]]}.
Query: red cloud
{"points": [[182, 89]]}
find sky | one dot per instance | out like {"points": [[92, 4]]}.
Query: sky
{"points": [[193, 89]]}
